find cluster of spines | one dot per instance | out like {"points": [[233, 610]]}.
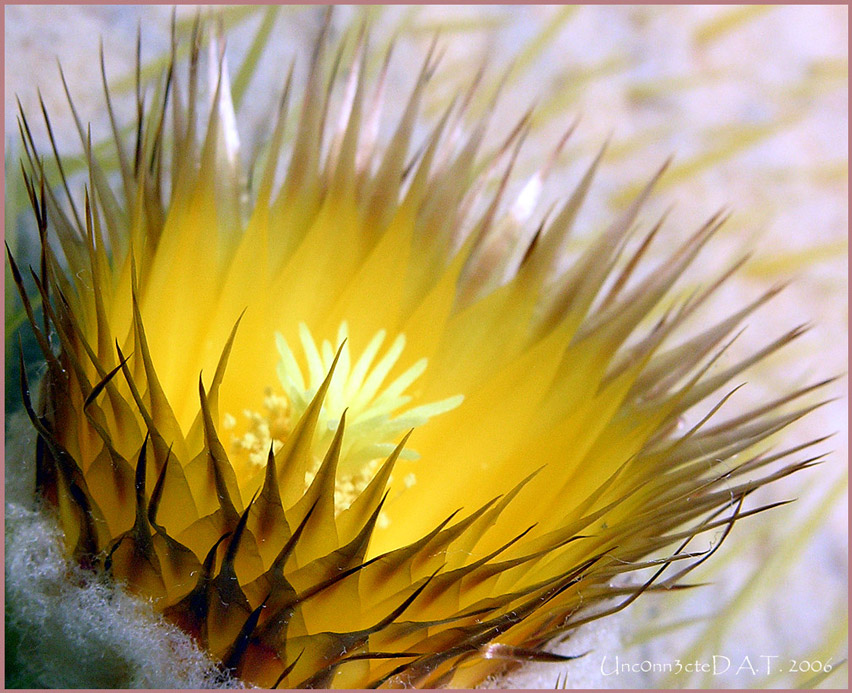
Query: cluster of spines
{"points": [[673, 481]]}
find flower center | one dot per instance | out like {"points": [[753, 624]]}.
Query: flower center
{"points": [[377, 414]]}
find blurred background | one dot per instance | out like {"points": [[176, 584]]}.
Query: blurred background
{"points": [[752, 102]]}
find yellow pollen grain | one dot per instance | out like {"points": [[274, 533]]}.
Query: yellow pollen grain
{"points": [[265, 429], [357, 387]]}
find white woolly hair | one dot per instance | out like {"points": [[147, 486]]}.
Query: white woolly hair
{"points": [[75, 629]]}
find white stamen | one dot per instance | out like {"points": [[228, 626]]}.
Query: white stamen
{"points": [[376, 418]]}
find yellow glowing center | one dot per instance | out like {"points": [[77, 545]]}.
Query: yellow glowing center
{"points": [[376, 417]]}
